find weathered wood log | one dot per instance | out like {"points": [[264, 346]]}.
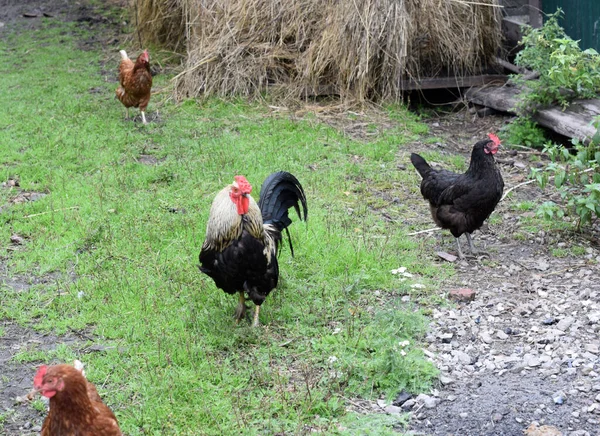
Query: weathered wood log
{"points": [[574, 122], [501, 98]]}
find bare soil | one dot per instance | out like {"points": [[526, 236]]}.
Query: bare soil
{"points": [[531, 334], [19, 417]]}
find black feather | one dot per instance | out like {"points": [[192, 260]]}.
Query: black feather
{"points": [[420, 164], [279, 192]]}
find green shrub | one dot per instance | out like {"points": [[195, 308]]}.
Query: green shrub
{"points": [[566, 71], [523, 131], [576, 176]]}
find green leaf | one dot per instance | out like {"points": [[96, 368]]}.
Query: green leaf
{"points": [[559, 178]]}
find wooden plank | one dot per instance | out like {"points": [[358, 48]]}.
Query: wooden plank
{"points": [[453, 82], [501, 98], [574, 122], [511, 67], [425, 83]]}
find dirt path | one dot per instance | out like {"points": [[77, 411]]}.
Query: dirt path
{"points": [[526, 350]]}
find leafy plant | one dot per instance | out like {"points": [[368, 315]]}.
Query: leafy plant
{"points": [[549, 210], [566, 71], [523, 131], [575, 174]]}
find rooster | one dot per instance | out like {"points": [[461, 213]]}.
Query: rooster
{"points": [[243, 238], [462, 202], [136, 82], [75, 406]]}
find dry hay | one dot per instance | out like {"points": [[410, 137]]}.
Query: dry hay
{"points": [[359, 49]]}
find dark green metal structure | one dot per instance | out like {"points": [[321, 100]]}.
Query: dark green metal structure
{"points": [[581, 20]]}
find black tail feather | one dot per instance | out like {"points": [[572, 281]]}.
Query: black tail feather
{"points": [[278, 193], [287, 232], [420, 164]]}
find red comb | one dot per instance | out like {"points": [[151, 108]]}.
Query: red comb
{"points": [[243, 184], [39, 376], [494, 138]]}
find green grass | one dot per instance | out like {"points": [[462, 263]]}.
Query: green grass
{"points": [[559, 252], [524, 206], [125, 266]]}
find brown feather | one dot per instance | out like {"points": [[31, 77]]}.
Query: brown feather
{"points": [[136, 83], [77, 409]]}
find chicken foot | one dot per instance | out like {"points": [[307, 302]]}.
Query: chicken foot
{"points": [[142, 112], [471, 245], [240, 310], [474, 251]]}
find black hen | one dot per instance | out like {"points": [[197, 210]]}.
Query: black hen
{"points": [[462, 202], [243, 238]]}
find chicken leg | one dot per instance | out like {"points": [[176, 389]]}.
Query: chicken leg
{"points": [[240, 310], [460, 253], [256, 322], [144, 118], [471, 246], [474, 251]]}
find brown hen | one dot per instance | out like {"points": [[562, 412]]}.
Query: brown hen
{"points": [[75, 406], [136, 82]]}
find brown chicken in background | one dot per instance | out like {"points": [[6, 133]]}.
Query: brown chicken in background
{"points": [[462, 202], [75, 406], [136, 82], [242, 237]]}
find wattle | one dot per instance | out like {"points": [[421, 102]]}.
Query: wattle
{"points": [[242, 205]]}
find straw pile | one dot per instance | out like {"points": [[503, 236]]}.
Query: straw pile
{"points": [[359, 49]]}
